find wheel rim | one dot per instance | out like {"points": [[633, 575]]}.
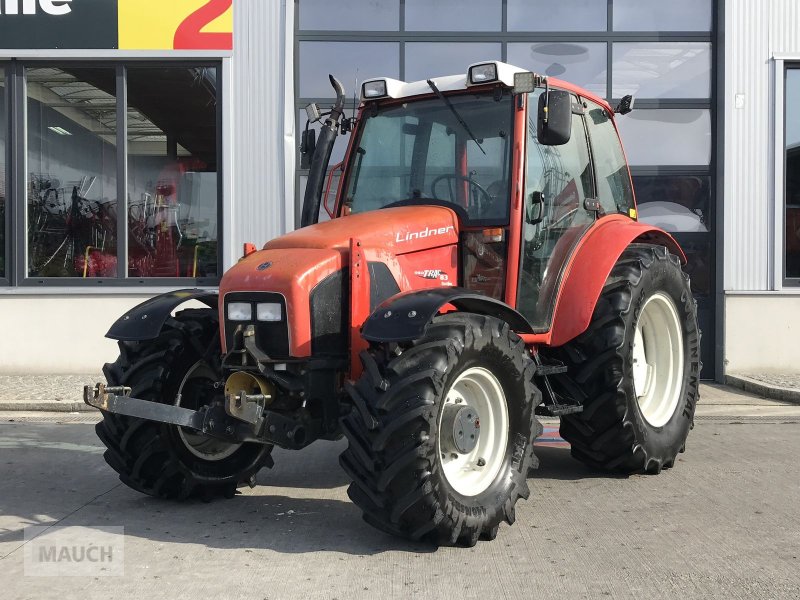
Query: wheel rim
{"points": [[477, 398], [201, 446], [658, 360]]}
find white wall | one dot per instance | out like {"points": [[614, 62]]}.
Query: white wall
{"points": [[755, 31], [761, 328], [59, 334], [262, 119], [762, 333]]}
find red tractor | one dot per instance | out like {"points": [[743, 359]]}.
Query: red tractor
{"points": [[484, 265]]}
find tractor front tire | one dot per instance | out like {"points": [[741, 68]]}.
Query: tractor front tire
{"points": [[165, 460], [441, 431], [636, 369]]}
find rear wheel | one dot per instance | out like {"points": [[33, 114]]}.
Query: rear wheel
{"points": [[636, 369], [181, 366], [441, 433]]}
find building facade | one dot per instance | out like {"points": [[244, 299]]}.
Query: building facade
{"points": [[141, 145]]}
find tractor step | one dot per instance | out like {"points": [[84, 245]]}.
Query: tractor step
{"points": [[545, 370], [558, 410]]}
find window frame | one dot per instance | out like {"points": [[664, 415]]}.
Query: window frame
{"points": [[782, 67], [5, 259], [18, 122]]}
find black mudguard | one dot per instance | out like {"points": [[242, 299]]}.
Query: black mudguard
{"points": [[405, 317], [145, 321]]}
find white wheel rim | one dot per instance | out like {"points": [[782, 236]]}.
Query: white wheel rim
{"points": [[473, 472], [203, 446], [658, 360]]}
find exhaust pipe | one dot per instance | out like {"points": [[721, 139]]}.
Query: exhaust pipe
{"points": [[322, 158]]}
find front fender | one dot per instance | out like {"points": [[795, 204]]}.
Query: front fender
{"points": [[589, 267], [145, 321], [405, 316]]}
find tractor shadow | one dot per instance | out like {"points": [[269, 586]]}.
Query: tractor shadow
{"points": [[556, 463], [58, 477], [299, 506]]}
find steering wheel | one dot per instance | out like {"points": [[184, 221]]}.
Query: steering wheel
{"points": [[489, 199]]}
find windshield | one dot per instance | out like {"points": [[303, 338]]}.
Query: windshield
{"points": [[422, 151]]}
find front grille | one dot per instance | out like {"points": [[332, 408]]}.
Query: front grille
{"points": [[327, 303], [272, 337]]}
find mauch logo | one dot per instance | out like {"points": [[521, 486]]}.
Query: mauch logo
{"points": [[29, 7], [74, 551]]}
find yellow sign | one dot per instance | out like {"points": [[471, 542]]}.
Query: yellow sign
{"points": [[175, 24]]}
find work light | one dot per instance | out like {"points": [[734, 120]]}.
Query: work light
{"points": [[240, 311]]}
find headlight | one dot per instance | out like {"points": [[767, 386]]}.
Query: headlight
{"points": [[374, 89], [269, 311], [483, 73], [240, 311]]}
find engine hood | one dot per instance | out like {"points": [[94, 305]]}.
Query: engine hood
{"points": [[397, 230]]}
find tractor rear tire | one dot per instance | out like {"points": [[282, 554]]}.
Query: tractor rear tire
{"points": [[410, 476], [165, 460], [636, 369]]}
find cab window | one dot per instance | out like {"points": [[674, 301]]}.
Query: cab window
{"points": [[614, 190], [558, 180]]}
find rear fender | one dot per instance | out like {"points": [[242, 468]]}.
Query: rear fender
{"points": [[145, 321], [589, 267], [405, 317]]}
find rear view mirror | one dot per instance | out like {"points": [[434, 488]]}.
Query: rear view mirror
{"points": [[625, 105], [554, 123], [308, 145]]}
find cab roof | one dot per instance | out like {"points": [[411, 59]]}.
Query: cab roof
{"points": [[397, 89]]}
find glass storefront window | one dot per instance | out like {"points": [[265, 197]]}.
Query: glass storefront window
{"points": [[72, 172], [353, 15], [662, 69], [453, 15], [792, 170], [699, 262], [557, 15], [173, 187], [3, 136], [583, 64], [657, 15], [347, 61], [675, 203], [667, 137], [424, 60]]}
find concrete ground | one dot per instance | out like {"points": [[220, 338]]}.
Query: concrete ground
{"points": [[724, 523]]}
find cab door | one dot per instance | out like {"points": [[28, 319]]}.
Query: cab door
{"points": [[558, 182]]}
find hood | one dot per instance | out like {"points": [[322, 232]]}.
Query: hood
{"points": [[398, 230]]}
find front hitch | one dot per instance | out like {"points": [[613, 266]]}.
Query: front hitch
{"points": [[209, 420], [213, 421]]}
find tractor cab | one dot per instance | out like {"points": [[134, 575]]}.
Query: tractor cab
{"points": [[510, 152]]}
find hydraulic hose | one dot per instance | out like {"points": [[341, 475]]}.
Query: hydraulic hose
{"points": [[322, 157]]}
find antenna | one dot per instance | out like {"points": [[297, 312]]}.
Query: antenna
{"points": [[355, 87]]}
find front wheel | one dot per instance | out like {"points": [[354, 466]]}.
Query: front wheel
{"points": [[636, 369], [441, 433], [181, 366]]}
